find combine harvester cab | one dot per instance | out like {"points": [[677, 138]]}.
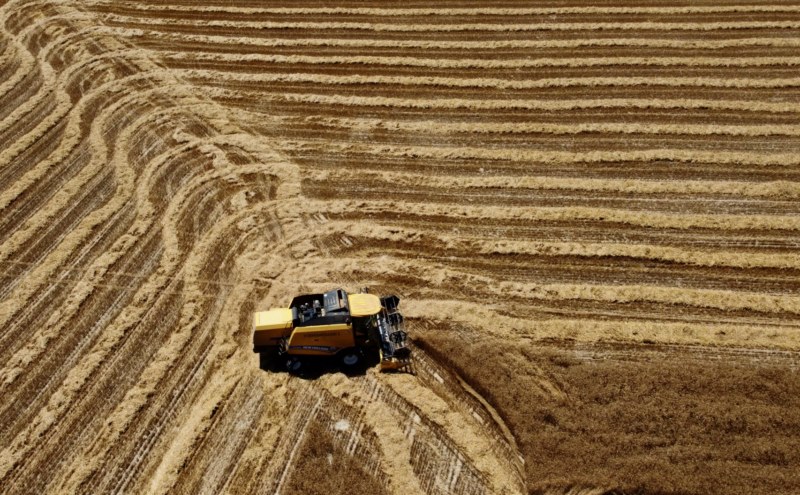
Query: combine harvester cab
{"points": [[350, 327]]}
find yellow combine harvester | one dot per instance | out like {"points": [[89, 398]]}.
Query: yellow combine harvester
{"points": [[351, 327]]}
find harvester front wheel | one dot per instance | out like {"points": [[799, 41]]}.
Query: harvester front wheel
{"points": [[350, 358], [294, 364]]}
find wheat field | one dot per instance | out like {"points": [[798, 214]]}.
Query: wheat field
{"points": [[591, 213]]}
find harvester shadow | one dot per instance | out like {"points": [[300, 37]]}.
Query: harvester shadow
{"points": [[315, 367]]}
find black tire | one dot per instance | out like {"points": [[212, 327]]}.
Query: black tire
{"points": [[351, 359], [294, 365]]}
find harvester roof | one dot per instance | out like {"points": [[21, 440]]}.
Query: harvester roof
{"points": [[274, 319], [364, 305]]}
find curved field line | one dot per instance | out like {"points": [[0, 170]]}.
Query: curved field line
{"points": [[191, 267], [112, 333], [461, 396], [230, 316], [8, 53], [100, 267], [182, 410], [67, 74], [40, 22], [47, 73], [193, 429], [465, 63], [63, 106], [189, 327], [23, 69], [125, 180], [146, 386], [22, 444], [494, 83], [458, 440], [125, 240], [503, 476], [70, 138], [440, 28]]}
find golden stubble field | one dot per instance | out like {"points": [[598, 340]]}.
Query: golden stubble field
{"points": [[589, 210]]}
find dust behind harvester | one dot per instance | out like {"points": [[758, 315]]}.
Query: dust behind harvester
{"points": [[350, 327]]}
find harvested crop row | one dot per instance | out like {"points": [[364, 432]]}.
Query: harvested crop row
{"points": [[546, 199], [775, 189], [516, 104], [441, 63], [151, 36], [440, 28], [351, 138], [493, 83], [576, 231], [439, 12], [438, 127], [90, 368], [640, 218], [560, 157]]}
